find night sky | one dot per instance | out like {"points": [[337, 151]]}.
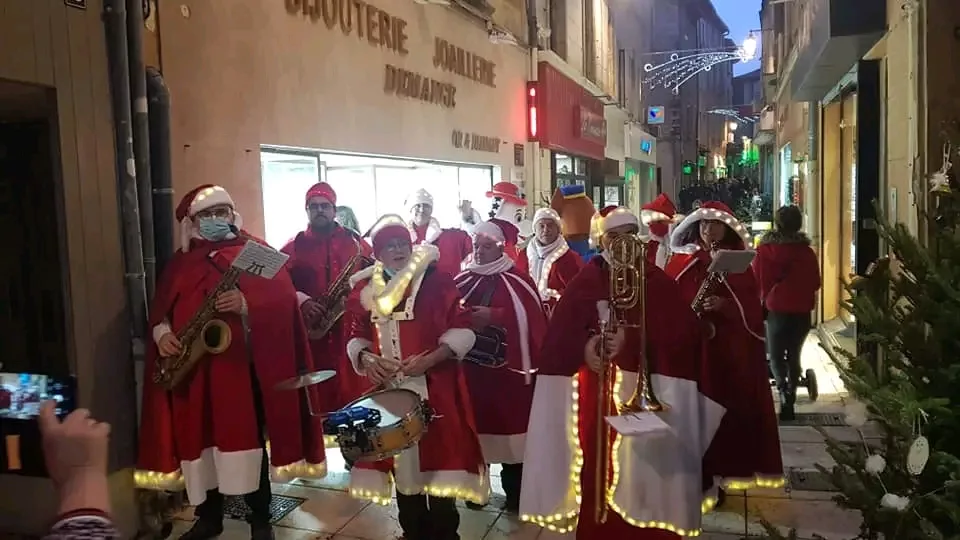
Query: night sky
{"points": [[741, 16]]}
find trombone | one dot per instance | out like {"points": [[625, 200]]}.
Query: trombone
{"points": [[628, 291]]}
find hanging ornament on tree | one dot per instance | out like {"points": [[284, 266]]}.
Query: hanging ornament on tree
{"points": [[939, 181], [919, 453]]}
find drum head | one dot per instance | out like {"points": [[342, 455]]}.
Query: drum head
{"points": [[393, 405]]}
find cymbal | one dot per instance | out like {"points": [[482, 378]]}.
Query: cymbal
{"points": [[305, 380]]}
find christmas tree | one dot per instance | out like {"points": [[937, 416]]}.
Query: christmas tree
{"points": [[905, 379]]}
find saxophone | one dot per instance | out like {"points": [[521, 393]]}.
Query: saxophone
{"points": [[706, 289], [204, 334], [335, 301]]}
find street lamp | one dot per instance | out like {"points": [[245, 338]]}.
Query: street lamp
{"points": [[680, 69], [733, 126]]}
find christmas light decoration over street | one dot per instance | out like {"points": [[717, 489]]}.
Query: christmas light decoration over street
{"points": [[673, 73]]}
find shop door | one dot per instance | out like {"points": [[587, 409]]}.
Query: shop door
{"points": [[848, 195], [355, 187]]}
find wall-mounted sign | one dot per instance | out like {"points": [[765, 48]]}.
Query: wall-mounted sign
{"points": [[655, 114], [79, 4], [369, 23], [590, 125], [473, 141], [646, 146], [409, 84], [518, 155], [449, 57]]}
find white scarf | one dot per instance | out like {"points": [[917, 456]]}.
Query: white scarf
{"points": [[501, 266], [537, 254]]}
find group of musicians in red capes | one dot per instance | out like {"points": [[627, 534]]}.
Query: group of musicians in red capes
{"points": [[426, 310]]}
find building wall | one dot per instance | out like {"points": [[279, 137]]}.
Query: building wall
{"points": [[266, 74], [45, 43]]}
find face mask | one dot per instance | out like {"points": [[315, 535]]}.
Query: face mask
{"points": [[214, 229], [389, 273]]}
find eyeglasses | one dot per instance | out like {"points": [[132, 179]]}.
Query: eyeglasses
{"points": [[223, 212], [315, 207]]}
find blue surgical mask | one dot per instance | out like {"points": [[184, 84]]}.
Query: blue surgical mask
{"points": [[389, 273], [214, 229]]}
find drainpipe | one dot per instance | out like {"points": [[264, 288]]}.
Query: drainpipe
{"points": [[115, 27], [812, 196], [158, 96], [141, 138], [533, 40]]}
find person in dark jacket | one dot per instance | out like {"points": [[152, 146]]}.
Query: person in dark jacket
{"points": [[787, 270]]}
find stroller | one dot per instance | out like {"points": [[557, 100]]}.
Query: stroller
{"points": [[808, 380]]}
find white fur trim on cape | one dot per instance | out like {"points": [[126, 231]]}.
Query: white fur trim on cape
{"points": [[376, 486], [460, 341], [361, 275], [681, 230], [354, 347], [434, 230], [427, 253], [503, 448], [658, 482]]}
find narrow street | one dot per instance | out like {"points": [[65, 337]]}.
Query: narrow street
{"points": [[327, 512]]}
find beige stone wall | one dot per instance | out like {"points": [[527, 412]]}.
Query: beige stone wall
{"points": [[267, 74]]}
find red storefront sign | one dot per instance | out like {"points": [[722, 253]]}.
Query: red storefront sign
{"points": [[569, 119]]}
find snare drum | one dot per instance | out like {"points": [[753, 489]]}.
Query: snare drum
{"points": [[379, 425]]}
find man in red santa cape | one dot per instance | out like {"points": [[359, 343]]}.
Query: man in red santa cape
{"points": [[654, 483], [208, 433], [318, 255], [660, 216], [746, 450], [410, 329], [502, 297], [454, 244], [549, 260], [507, 209]]}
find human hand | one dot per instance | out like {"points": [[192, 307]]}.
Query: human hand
{"points": [[169, 345], [311, 310], [480, 317], [74, 449], [614, 342], [230, 302], [714, 303], [418, 364], [591, 353], [466, 211], [382, 370]]}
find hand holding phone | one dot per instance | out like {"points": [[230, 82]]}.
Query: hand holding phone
{"points": [[74, 448]]}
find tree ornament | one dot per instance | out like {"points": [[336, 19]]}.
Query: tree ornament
{"points": [[855, 414], [919, 453], [875, 464], [895, 502], [939, 181]]}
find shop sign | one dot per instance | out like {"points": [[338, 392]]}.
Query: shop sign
{"points": [[414, 85], [370, 23], [449, 57], [473, 141], [590, 125]]}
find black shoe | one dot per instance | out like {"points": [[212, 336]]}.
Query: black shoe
{"points": [[203, 530], [787, 413], [721, 497], [511, 507], [261, 532], [474, 506]]}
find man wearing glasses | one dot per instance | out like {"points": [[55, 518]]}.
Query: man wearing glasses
{"points": [[508, 318], [318, 256]]}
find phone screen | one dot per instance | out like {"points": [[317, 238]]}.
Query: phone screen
{"points": [[21, 394]]}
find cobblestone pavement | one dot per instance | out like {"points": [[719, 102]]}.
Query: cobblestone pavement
{"points": [[329, 513]]}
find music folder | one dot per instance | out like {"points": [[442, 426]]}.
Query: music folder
{"points": [[732, 261]]}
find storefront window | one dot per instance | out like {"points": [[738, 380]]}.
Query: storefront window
{"points": [[848, 193], [569, 170], [370, 186]]}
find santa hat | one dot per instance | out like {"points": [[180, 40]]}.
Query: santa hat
{"points": [[711, 210], [509, 192], [546, 213], [610, 217], [659, 209], [387, 229], [196, 200], [420, 196], [490, 230], [575, 208], [322, 190]]}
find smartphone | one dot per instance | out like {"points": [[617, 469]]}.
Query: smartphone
{"points": [[21, 394]]}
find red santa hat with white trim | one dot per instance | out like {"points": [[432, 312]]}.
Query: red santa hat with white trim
{"points": [[388, 228], [196, 200], [680, 238], [611, 217]]}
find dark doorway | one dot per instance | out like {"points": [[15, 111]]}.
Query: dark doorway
{"points": [[32, 310]]}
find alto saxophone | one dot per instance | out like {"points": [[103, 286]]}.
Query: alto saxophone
{"points": [[204, 334], [335, 301], [706, 290]]}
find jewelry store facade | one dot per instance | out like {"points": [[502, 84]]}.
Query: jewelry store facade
{"points": [[378, 98]]}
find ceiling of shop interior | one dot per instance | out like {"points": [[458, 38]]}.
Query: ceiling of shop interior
{"points": [[20, 101]]}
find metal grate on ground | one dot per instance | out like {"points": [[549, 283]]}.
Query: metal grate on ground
{"points": [[234, 507], [809, 480], [816, 419]]}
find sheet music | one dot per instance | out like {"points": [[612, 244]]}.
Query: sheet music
{"points": [[260, 260], [732, 261], [634, 424]]}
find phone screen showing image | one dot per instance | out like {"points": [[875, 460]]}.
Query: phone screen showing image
{"points": [[21, 394]]}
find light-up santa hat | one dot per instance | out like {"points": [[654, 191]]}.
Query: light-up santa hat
{"points": [[710, 210]]}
